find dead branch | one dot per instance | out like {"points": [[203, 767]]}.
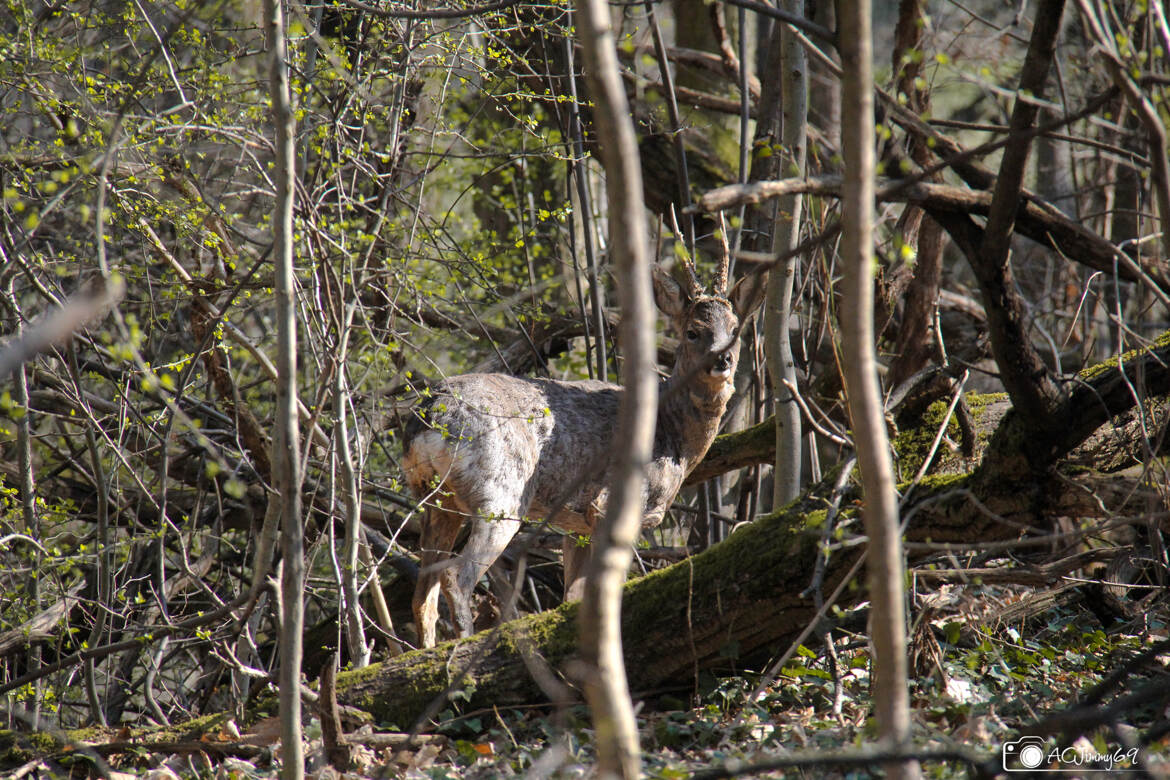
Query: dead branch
{"points": [[1038, 574], [1036, 219]]}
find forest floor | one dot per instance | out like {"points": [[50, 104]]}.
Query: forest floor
{"points": [[990, 664]]}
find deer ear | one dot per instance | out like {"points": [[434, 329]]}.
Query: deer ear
{"points": [[670, 297], [747, 295]]}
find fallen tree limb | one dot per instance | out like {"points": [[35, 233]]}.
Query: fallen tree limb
{"points": [[1038, 574], [394, 739], [1035, 219], [731, 451], [864, 759], [41, 627], [1098, 394], [219, 749]]}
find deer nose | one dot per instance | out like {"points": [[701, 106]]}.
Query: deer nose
{"points": [[722, 364]]}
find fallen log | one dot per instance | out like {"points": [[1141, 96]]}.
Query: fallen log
{"points": [[737, 597]]}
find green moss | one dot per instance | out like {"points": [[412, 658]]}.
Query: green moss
{"points": [[938, 483], [194, 728], [913, 444], [661, 592], [978, 402], [355, 676], [1090, 373], [554, 631], [771, 556], [21, 747], [760, 438], [816, 519], [90, 734]]}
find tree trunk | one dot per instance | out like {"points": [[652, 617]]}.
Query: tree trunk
{"points": [[348, 486], [915, 339], [793, 76], [887, 578], [1023, 373], [741, 595], [286, 441], [618, 751]]}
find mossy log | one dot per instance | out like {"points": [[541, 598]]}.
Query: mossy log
{"points": [[737, 597], [674, 620], [757, 445]]}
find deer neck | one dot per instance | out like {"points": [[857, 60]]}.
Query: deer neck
{"points": [[691, 411]]}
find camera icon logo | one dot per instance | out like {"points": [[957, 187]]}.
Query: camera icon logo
{"points": [[1023, 754]]}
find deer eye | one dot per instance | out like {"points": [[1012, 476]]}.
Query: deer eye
{"points": [[692, 334]]}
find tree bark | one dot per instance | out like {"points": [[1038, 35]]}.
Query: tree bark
{"points": [[749, 447], [1024, 374], [793, 77], [914, 341], [741, 595], [1035, 219], [1146, 111], [348, 486]]}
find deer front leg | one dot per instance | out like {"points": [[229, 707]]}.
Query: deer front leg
{"points": [[576, 556], [576, 562], [577, 551], [440, 529]]}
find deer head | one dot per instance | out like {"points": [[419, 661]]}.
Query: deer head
{"points": [[707, 325]]}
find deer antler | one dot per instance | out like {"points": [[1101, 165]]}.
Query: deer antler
{"points": [[696, 289], [720, 284]]}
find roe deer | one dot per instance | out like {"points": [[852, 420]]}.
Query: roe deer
{"points": [[494, 449]]}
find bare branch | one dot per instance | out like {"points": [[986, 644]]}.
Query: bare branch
{"points": [[1036, 219], [885, 575], [58, 325], [1024, 374], [433, 13]]}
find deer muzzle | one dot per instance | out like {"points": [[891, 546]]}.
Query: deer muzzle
{"points": [[722, 366]]}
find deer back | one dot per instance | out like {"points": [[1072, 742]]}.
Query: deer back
{"points": [[525, 447], [493, 439]]}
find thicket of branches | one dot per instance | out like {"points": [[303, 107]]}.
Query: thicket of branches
{"points": [[447, 220]]}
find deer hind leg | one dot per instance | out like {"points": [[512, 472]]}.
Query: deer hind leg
{"points": [[440, 529], [490, 534]]}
